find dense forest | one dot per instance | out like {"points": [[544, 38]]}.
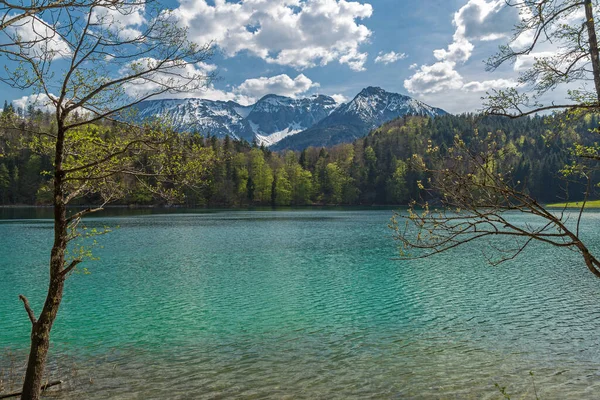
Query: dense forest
{"points": [[371, 170]]}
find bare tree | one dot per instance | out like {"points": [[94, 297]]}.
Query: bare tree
{"points": [[93, 67], [29, 26], [468, 184], [567, 29], [468, 198], [15, 12]]}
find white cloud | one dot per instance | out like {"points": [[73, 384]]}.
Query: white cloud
{"points": [[183, 75], [339, 98], [526, 61], [249, 91], [476, 21], [282, 85], [355, 60], [41, 102], [188, 78], [459, 51], [122, 20], [39, 40], [484, 20], [297, 33], [211, 93], [434, 78], [484, 86], [413, 66], [38, 101], [206, 67], [388, 58]]}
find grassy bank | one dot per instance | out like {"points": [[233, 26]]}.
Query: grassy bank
{"points": [[589, 204]]}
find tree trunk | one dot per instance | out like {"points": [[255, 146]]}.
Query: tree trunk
{"points": [[40, 343], [593, 42], [40, 330]]}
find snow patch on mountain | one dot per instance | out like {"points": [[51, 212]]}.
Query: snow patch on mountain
{"points": [[243, 111], [274, 118], [375, 106], [275, 137], [199, 115], [369, 109]]}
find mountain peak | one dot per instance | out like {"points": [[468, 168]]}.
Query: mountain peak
{"points": [[272, 96], [377, 91], [371, 108], [289, 122], [369, 90]]}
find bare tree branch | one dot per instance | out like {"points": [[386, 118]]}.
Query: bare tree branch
{"points": [[71, 266], [474, 197], [30, 312]]}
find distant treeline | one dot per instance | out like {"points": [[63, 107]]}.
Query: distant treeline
{"points": [[371, 170]]}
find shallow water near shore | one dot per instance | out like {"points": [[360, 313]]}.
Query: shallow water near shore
{"points": [[301, 304]]}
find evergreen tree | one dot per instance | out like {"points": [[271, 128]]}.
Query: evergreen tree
{"points": [[4, 184], [262, 176], [282, 189], [14, 186]]}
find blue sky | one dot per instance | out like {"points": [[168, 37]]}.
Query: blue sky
{"points": [[402, 26], [432, 50]]}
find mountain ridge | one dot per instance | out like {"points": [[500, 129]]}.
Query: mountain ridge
{"points": [[369, 109], [283, 122]]}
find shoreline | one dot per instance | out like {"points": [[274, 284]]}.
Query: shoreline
{"points": [[211, 207]]}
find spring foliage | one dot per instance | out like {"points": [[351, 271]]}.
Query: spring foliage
{"points": [[377, 169]]}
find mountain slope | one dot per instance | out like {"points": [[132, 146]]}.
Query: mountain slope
{"points": [[369, 109], [218, 118], [275, 117], [287, 123], [268, 120]]}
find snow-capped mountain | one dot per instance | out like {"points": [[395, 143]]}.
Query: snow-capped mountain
{"points": [[275, 117], [371, 108], [284, 122], [269, 120], [218, 118]]}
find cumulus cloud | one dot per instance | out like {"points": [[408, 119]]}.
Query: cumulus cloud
{"points": [[282, 85], [434, 78], [125, 21], [526, 61], [38, 101], [297, 33], [38, 38], [476, 86], [339, 98], [186, 76], [388, 58], [41, 102], [212, 93], [459, 51], [476, 21], [249, 91], [484, 20]]}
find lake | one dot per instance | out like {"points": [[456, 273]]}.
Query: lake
{"points": [[300, 304]]}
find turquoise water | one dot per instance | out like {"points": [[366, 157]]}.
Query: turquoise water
{"points": [[301, 304]]}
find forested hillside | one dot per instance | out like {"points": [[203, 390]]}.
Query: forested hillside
{"points": [[372, 170]]}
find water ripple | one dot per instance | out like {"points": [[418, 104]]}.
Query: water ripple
{"points": [[304, 305]]}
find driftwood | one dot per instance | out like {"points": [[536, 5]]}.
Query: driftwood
{"points": [[44, 387]]}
